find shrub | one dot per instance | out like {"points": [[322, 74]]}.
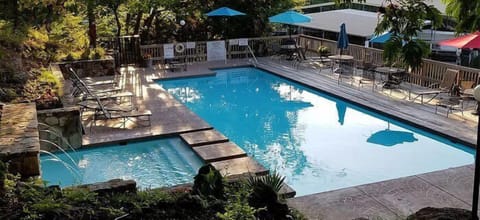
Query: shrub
{"points": [[208, 182], [323, 50], [237, 203]]}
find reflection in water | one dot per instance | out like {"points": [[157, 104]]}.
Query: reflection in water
{"points": [[307, 136], [390, 138], [267, 129], [341, 109]]}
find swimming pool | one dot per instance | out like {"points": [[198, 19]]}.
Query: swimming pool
{"points": [[318, 142], [151, 163]]}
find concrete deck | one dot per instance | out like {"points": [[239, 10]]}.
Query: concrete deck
{"points": [[388, 199]]}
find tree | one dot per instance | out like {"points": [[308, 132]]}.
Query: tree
{"points": [[404, 21], [466, 13]]}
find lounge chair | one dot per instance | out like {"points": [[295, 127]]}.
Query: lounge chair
{"points": [[319, 61], [445, 86], [102, 113], [81, 88], [450, 103], [76, 82]]}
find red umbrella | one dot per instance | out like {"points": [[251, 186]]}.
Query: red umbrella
{"points": [[466, 41]]}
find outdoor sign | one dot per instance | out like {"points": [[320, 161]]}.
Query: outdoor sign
{"points": [[233, 42], [190, 45], [243, 42], [216, 50], [168, 51]]}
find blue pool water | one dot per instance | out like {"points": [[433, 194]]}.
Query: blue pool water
{"points": [[318, 142], [153, 163]]}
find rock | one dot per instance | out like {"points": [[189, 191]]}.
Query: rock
{"points": [[51, 121], [446, 213]]}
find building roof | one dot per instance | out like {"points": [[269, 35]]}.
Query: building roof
{"points": [[437, 3], [359, 23]]}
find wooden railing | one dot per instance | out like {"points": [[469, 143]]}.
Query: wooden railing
{"points": [[198, 53], [431, 71]]}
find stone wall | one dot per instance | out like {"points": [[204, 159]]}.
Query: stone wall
{"points": [[90, 68], [112, 186], [60, 122], [19, 139]]}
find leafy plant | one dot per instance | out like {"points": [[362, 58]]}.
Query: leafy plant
{"points": [[208, 182], [237, 203], [404, 19], [265, 198], [323, 50]]}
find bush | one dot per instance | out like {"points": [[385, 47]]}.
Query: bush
{"points": [[208, 182]]}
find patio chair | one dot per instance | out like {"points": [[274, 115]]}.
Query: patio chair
{"points": [[450, 103], [345, 71], [367, 74], [80, 88], [445, 86], [321, 61], [72, 75], [103, 113]]}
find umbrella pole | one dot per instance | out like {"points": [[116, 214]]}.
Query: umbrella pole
{"points": [[226, 39]]}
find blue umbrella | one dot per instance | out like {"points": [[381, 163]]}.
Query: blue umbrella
{"points": [[381, 38], [290, 17], [224, 11], [342, 42]]}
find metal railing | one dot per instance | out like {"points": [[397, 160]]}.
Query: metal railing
{"points": [[255, 61]]}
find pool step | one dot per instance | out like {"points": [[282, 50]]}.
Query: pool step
{"points": [[176, 161], [203, 137], [217, 152], [239, 167]]}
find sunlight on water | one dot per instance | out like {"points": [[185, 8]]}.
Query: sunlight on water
{"points": [[318, 142]]}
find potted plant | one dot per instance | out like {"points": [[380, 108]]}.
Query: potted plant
{"points": [[323, 51], [147, 58]]}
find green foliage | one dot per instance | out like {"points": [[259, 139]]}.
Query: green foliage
{"points": [[47, 76], [79, 196], [237, 203], [70, 36], [466, 14], [208, 182], [11, 36], [323, 50], [3, 176], [404, 19], [273, 180], [265, 198]]}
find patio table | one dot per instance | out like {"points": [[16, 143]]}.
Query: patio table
{"points": [[340, 59], [394, 75]]}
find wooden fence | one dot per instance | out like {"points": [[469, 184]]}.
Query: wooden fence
{"points": [[431, 71]]}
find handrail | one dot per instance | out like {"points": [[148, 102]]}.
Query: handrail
{"points": [[253, 55]]}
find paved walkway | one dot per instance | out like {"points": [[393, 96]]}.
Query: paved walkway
{"points": [[388, 200]]}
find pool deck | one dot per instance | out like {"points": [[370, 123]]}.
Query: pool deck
{"points": [[387, 200]]}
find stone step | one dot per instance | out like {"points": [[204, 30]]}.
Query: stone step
{"points": [[238, 167], [203, 137], [217, 152], [287, 192]]}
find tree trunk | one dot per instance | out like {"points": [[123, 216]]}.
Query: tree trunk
{"points": [[92, 27], [138, 20], [148, 23], [117, 20], [127, 23]]}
